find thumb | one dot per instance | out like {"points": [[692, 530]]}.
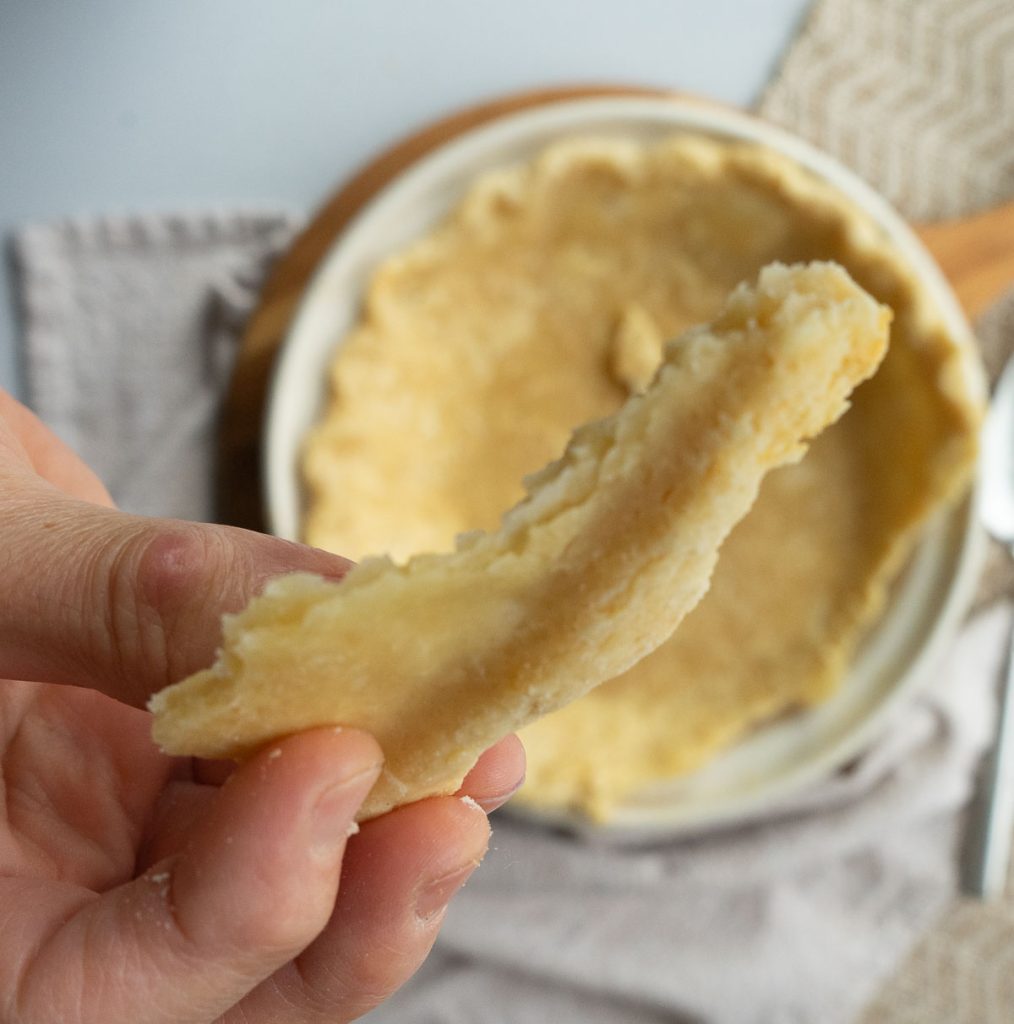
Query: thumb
{"points": [[124, 604], [254, 886]]}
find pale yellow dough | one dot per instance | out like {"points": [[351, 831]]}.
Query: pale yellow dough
{"points": [[614, 544], [538, 306]]}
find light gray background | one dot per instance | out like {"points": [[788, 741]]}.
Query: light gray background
{"points": [[116, 106]]}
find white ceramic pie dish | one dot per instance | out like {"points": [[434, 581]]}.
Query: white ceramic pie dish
{"points": [[764, 770]]}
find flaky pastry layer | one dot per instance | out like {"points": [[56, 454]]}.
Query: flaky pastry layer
{"points": [[614, 543]]}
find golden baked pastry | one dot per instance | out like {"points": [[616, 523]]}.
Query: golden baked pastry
{"points": [[440, 657], [537, 306]]}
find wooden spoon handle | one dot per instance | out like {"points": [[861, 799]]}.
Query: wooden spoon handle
{"points": [[977, 255]]}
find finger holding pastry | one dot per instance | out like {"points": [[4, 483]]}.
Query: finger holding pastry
{"points": [[219, 885]]}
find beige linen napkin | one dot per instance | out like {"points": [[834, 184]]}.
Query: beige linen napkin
{"points": [[918, 97], [130, 329]]}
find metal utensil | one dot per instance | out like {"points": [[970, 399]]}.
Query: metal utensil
{"points": [[993, 830]]}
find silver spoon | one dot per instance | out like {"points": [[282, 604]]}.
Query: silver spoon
{"points": [[992, 832]]}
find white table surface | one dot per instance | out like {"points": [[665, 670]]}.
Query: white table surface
{"points": [[117, 106]]}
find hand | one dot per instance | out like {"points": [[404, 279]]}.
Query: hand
{"points": [[134, 886]]}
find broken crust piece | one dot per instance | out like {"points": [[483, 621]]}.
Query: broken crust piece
{"points": [[614, 543]]}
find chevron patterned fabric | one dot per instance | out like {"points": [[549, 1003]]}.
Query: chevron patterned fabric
{"points": [[917, 96]]}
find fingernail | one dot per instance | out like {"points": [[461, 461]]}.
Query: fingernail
{"points": [[335, 809], [434, 896], [435, 892], [497, 800]]}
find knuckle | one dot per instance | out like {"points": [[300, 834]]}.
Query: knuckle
{"points": [[171, 564], [149, 582]]}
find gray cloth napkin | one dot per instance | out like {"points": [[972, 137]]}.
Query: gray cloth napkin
{"points": [[130, 327], [129, 332]]}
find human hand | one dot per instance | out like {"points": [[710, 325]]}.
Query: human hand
{"points": [[134, 886]]}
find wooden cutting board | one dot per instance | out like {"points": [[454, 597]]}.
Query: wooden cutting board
{"points": [[976, 254]]}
